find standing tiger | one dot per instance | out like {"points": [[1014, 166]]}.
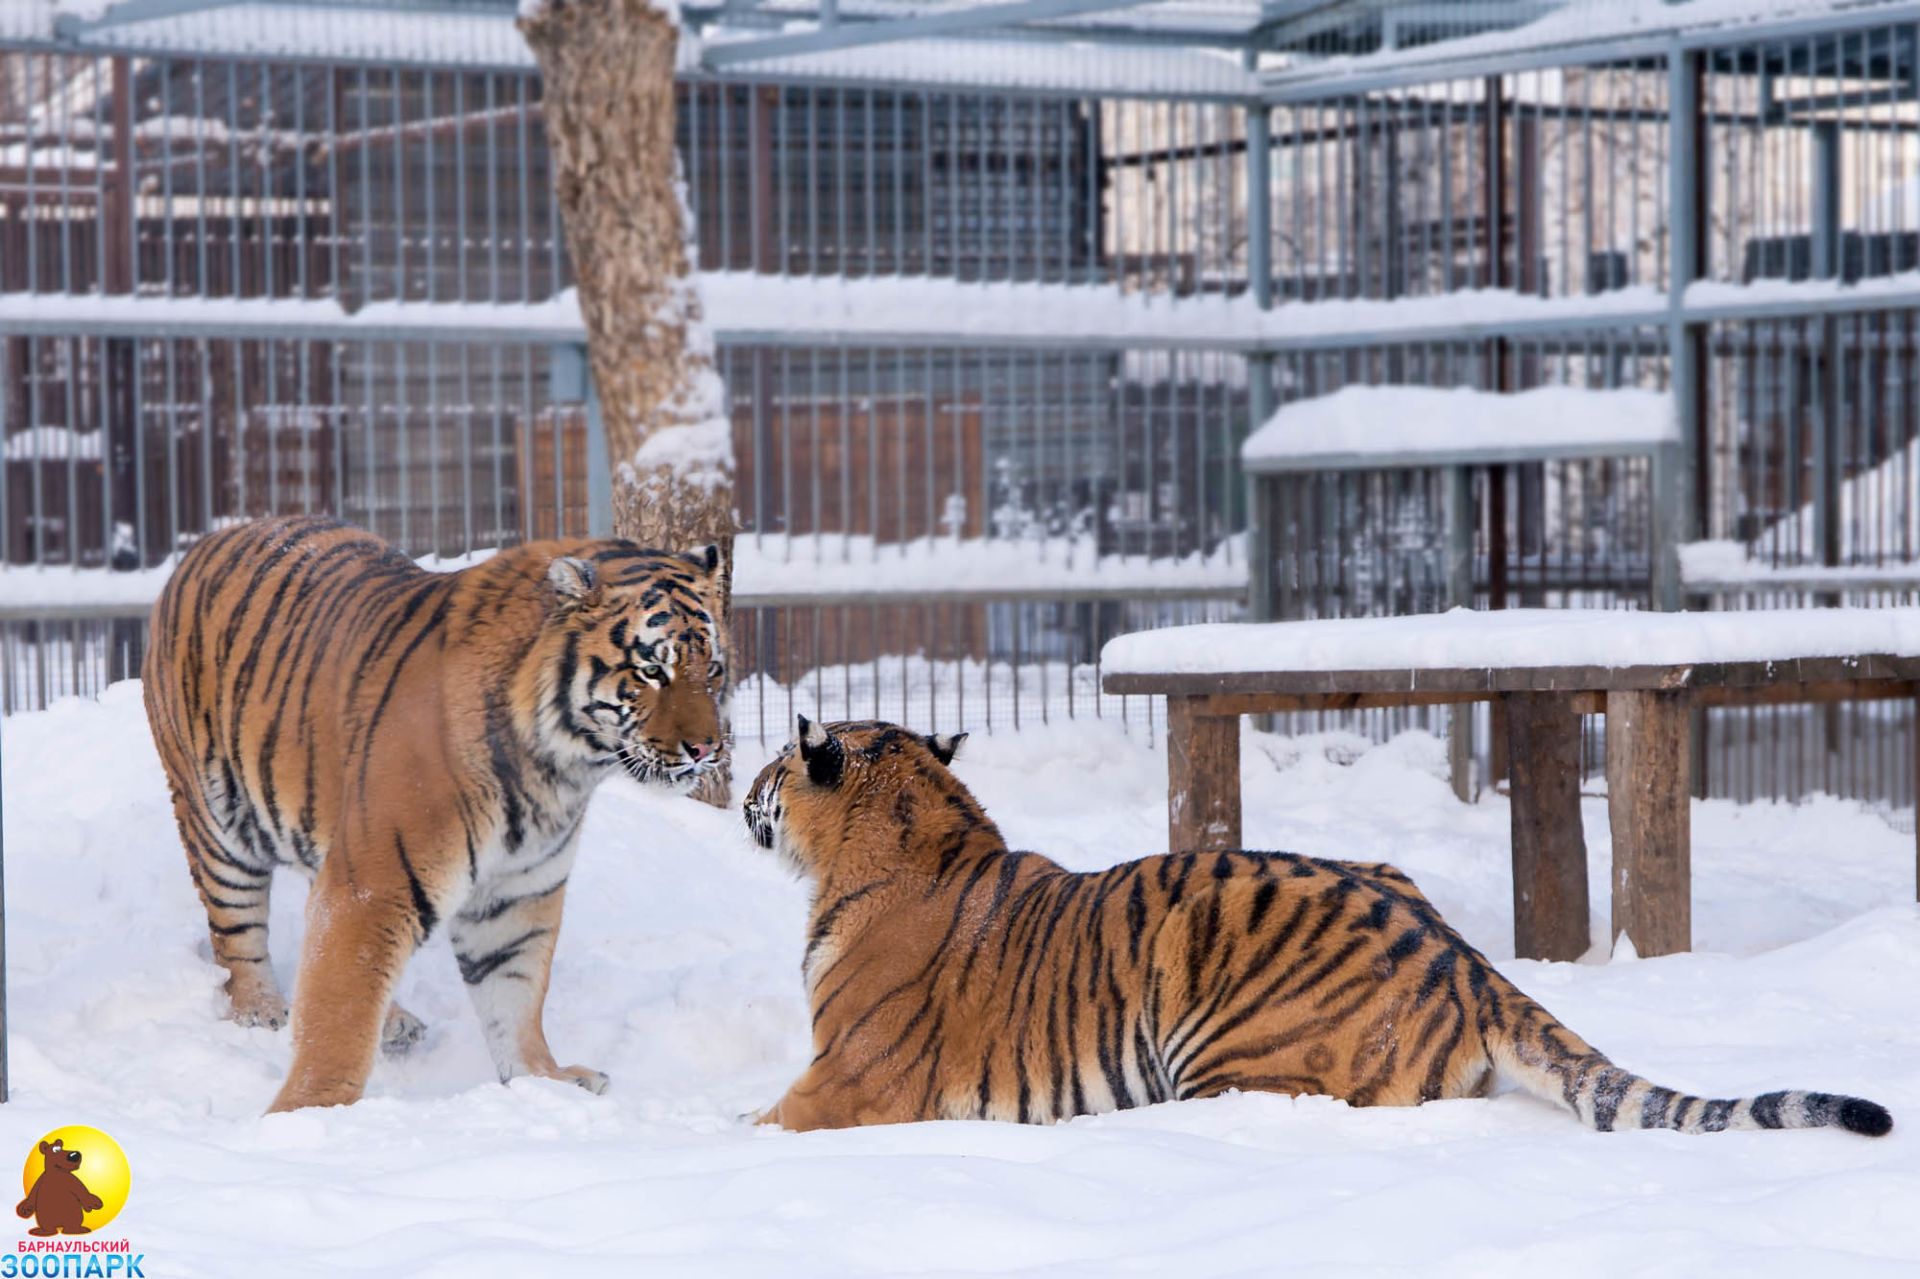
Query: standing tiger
{"points": [[422, 747], [952, 979]]}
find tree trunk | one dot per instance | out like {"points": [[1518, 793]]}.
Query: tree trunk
{"points": [[608, 102]]}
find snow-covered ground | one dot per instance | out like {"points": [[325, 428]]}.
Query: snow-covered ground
{"points": [[678, 974]]}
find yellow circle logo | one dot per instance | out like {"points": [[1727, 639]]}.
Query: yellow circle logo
{"points": [[76, 1180]]}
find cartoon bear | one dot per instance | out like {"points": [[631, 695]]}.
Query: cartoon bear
{"points": [[59, 1199]]}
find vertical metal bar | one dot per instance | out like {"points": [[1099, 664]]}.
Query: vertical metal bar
{"points": [[1685, 344], [867, 187], [493, 199], [8, 667], [33, 203], [1825, 181], [525, 167], [1260, 370], [233, 179], [101, 281], [263, 203]]}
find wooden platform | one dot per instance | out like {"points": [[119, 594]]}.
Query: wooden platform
{"points": [[1648, 747]]}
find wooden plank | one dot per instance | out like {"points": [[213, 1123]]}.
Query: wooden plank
{"points": [[1583, 703], [1549, 848], [1203, 777], [1648, 804], [1274, 703], [1852, 690]]}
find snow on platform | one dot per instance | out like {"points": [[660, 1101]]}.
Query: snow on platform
{"points": [[1391, 425], [1466, 639], [678, 972]]}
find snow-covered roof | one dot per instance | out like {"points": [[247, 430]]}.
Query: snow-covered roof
{"points": [[1360, 426], [1569, 25], [440, 36], [1082, 67]]}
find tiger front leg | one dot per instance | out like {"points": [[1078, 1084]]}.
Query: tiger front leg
{"points": [[504, 943]]}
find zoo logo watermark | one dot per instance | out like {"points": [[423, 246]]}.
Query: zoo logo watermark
{"points": [[76, 1181]]}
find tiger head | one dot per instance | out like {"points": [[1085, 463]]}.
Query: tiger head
{"points": [[634, 675], [833, 779]]}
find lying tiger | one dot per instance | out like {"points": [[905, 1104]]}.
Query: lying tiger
{"points": [[422, 746], [953, 979]]}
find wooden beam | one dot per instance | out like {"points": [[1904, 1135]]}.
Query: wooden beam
{"points": [[1786, 694], [1203, 777], [1862, 669], [1549, 848], [1647, 801]]}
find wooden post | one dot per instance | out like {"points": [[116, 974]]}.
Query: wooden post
{"points": [[1647, 800], [1203, 777], [1549, 848]]}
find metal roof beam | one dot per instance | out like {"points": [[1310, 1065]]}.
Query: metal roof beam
{"points": [[946, 22]]}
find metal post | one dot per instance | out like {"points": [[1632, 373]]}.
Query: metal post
{"points": [[1259, 496], [3, 958], [1825, 180], [1460, 516], [568, 382], [1685, 349]]}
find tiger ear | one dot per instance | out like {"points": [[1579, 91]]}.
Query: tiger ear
{"points": [[945, 745], [574, 581], [825, 758], [706, 558]]}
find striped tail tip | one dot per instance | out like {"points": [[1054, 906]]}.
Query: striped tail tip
{"points": [[1775, 1110], [1868, 1118]]}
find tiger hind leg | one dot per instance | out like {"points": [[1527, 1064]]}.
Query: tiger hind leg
{"points": [[236, 894], [358, 941]]}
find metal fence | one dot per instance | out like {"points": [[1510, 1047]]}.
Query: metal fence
{"points": [[137, 185], [236, 283]]}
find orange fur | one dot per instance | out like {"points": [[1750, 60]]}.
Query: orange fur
{"points": [[422, 746], [951, 978]]}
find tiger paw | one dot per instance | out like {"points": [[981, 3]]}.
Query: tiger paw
{"points": [[401, 1032], [257, 1006], [591, 1080]]}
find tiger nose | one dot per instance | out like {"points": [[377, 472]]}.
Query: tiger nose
{"points": [[697, 751]]}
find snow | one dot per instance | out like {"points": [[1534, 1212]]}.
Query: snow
{"points": [[741, 304], [1879, 524], [52, 444], [678, 973], [1379, 422], [26, 588], [770, 566], [828, 564], [1728, 563], [1516, 637], [1724, 295], [1012, 64]]}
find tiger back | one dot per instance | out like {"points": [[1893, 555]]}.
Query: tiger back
{"points": [[952, 978], [421, 746]]}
